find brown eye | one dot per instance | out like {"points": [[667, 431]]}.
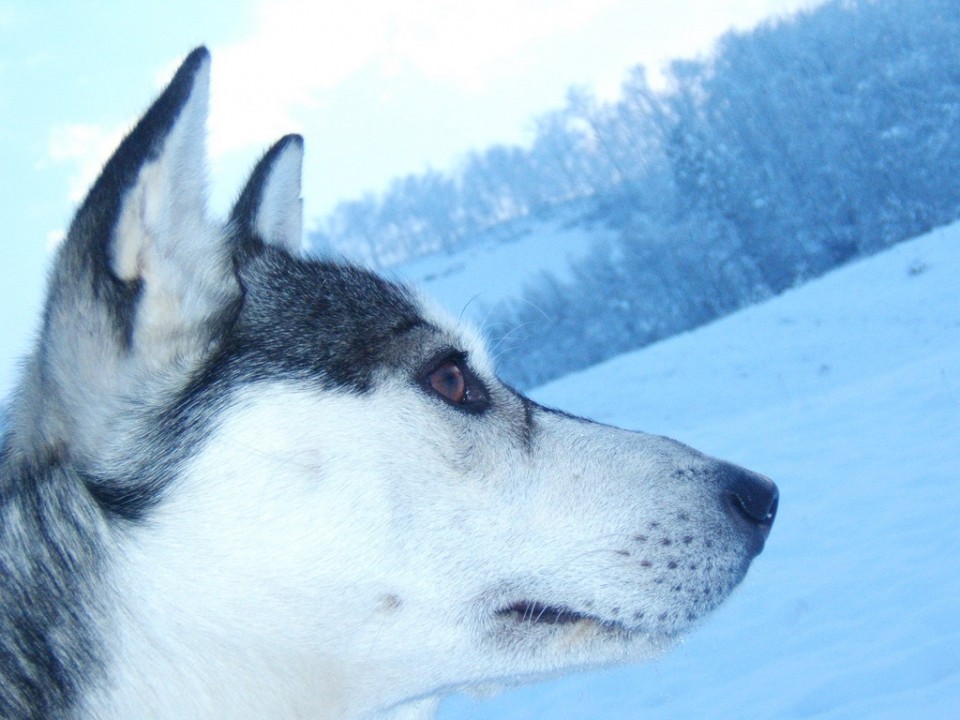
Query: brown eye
{"points": [[449, 377], [449, 382]]}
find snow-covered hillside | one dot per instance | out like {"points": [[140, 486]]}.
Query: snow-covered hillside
{"points": [[498, 264], [847, 392]]}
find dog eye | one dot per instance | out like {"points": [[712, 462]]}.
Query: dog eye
{"points": [[449, 383], [452, 380]]}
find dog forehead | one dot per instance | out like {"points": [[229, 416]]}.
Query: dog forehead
{"points": [[335, 322]]}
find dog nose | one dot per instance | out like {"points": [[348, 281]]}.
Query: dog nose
{"points": [[749, 497]]}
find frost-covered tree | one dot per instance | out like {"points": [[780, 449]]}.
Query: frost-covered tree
{"points": [[792, 148]]}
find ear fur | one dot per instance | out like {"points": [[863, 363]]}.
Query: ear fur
{"points": [[156, 263], [269, 210], [168, 136], [166, 205], [139, 282]]}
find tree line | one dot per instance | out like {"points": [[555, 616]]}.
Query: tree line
{"points": [[793, 148]]}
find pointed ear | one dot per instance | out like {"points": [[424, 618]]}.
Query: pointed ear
{"points": [[155, 179], [143, 277], [155, 263], [269, 209], [165, 156]]}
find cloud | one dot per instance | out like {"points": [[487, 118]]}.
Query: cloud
{"points": [[272, 81], [301, 48], [471, 44]]}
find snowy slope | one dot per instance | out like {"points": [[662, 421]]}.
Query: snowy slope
{"points": [[847, 392], [498, 265]]}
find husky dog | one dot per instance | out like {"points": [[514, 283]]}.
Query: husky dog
{"points": [[240, 483]]}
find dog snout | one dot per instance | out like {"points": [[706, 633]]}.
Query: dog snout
{"points": [[750, 499]]}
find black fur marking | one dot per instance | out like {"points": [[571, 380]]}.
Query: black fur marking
{"points": [[333, 324], [127, 498], [528, 429], [244, 213], [528, 422], [535, 406], [49, 560], [329, 323]]}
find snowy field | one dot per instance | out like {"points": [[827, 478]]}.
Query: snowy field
{"points": [[847, 392]]}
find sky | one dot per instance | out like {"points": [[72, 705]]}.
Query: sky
{"points": [[378, 88]]}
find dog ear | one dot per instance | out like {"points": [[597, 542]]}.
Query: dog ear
{"points": [[160, 173], [269, 210], [143, 279], [158, 267]]}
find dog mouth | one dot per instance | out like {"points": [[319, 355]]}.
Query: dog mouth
{"points": [[530, 613]]}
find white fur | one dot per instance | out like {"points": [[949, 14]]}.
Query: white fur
{"points": [[304, 567], [280, 216], [327, 554]]}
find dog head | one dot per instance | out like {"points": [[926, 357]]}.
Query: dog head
{"points": [[322, 492]]}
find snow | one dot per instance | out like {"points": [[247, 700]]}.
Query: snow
{"points": [[847, 392], [495, 267]]}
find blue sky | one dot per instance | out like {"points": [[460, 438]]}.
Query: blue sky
{"points": [[378, 88]]}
